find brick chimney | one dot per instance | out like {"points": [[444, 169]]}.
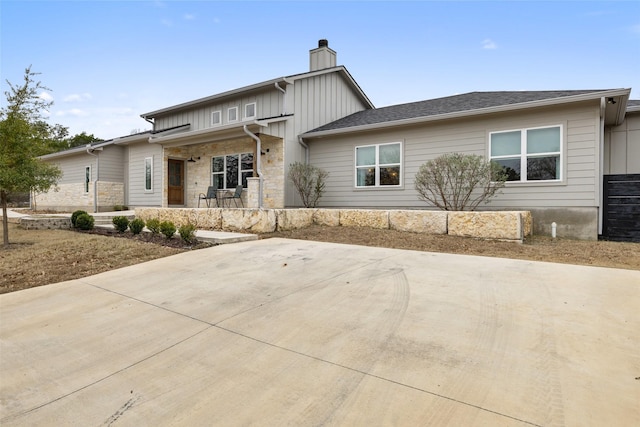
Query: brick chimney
{"points": [[322, 57]]}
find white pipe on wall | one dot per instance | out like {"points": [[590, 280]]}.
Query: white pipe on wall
{"points": [[258, 162]]}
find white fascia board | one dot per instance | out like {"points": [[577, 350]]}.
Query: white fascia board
{"points": [[471, 113], [209, 99], [205, 135], [76, 150]]}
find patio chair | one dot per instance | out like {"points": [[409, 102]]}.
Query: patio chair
{"points": [[237, 195], [211, 195]]}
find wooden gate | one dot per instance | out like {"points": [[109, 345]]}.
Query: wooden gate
{"points": [[621, 214]]}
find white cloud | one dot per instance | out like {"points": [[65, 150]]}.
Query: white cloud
{"points": [[167, 22], [77, 97], [189, 16], [216, 20], [45, 96], [75, 112], [635, 29], [489, 44]]}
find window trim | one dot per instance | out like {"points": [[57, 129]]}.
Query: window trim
{"points": [[229, 110], [255, 110], [224, 168], [88, 174], [213, 114], [377, 166], [150, 162], [562, 163]]}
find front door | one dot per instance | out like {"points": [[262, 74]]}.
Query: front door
{"points": [[176, 182]]}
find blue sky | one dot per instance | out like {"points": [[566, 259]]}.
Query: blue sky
{"points": [[107, 62]]}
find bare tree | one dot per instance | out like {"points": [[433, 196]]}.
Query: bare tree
{"points": [[457, 182], [309, 180]]}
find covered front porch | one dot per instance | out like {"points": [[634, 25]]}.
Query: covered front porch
{"points": [[224, 161]]}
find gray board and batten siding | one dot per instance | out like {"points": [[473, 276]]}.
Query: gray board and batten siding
{"points": [[137, 194]]}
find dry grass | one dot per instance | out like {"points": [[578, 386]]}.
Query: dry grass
{"points": [[41, 257]]}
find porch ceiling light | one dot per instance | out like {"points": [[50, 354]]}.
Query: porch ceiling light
{"points": [[192, 160]]}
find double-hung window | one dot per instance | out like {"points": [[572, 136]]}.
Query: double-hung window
{"points": [[533, 154], [379, 165], [148, 174], [229, 171]]}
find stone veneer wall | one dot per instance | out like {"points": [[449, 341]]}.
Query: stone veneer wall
{"points": [[503, 225], [71, 197], [198, 174]]}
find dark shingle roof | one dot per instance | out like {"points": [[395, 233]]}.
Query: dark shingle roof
{"points": [[450, 104]]}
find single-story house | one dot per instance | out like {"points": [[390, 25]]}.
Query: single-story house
{"points": [[559, 147]]}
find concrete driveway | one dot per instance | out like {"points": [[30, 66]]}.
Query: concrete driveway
{"points": [[285, 332]]}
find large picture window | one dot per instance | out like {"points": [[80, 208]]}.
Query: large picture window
{"points": [[533, 154], [231, 170], [148, 174], [379, 165]]}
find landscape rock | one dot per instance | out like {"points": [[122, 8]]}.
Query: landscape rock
{"points": [[431, 222], [364, 218]]}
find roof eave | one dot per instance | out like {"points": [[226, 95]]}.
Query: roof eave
{"points": [[216, 97], [209, 134], [470, 113]]}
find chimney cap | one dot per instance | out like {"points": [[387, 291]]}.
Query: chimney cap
{"points": [[323, 43]]}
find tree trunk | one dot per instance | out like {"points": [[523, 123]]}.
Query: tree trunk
{"points": [[5, 219]]}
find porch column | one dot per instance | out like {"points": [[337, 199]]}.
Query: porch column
{"points": [[253, 192]]}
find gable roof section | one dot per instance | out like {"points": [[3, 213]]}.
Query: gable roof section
{"points": [[467, 104], [269, 84]]}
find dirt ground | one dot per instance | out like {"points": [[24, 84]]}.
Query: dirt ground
{"points": [[538, 248], [41, 257]]}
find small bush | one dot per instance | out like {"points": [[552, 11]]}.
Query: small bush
{"points": [[136, 226], [309, 180], [167, 228], [187, 232], [85, 222], [75, 215], [458, 182], [153, 225], [121, 223]]}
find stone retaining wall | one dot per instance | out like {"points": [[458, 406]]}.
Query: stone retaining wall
{"points": [[502, 225], [45, 223]]}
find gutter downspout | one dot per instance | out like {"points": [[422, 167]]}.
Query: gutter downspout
{"points": [[258, 161], [306, 149], [95, 182], [284, 98], [601, 202]]}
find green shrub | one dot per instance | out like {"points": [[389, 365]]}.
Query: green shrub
{"points": [[167, 228], [136, 226], [187, 232], [153, 225], [84, 221], [121, 223], [75, 215]]}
